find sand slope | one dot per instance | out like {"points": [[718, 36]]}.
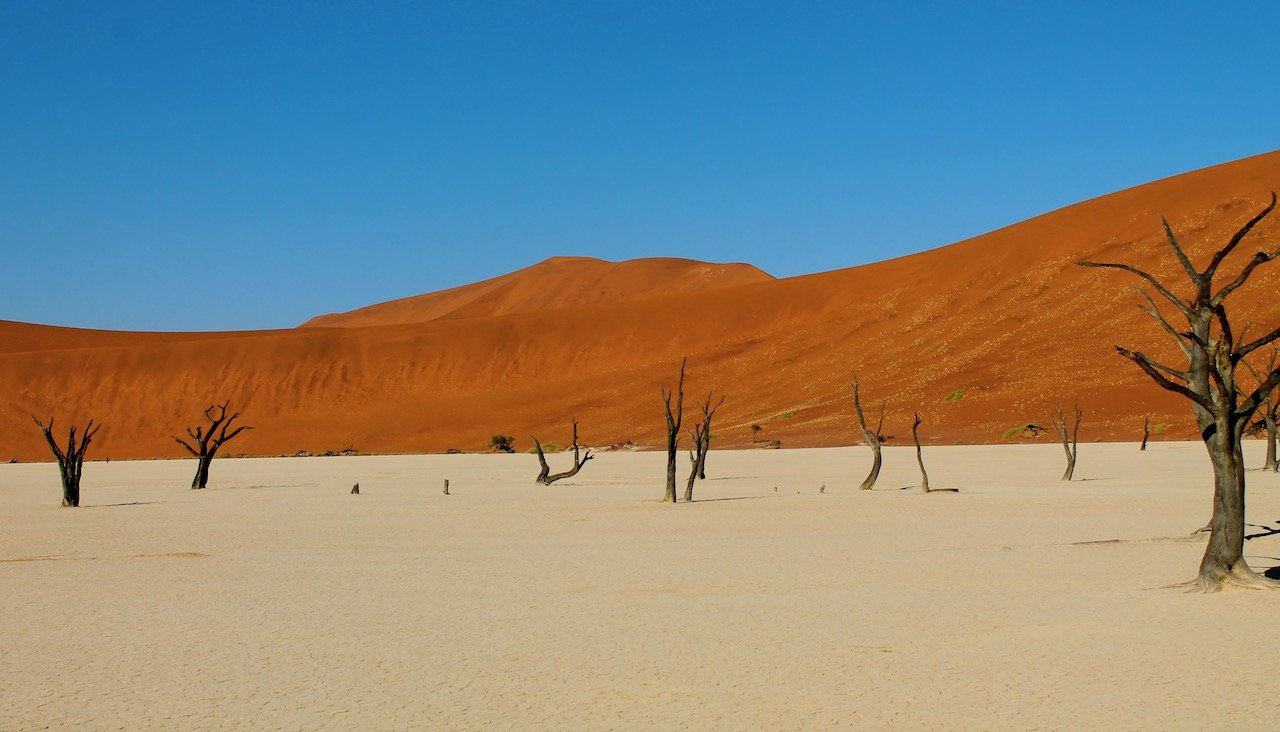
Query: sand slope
{"points": [[1003, 318], [277, 600], [556, 283]]}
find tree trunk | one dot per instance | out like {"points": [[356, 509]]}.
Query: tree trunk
{"points": [[1146, 433], [924, 477], [1271, 463], [674, 420], [1223, 560], [693, 472], [544, 469], [874, 439], [870, 481], [201, 478], [70, 485], [1070, 438]]}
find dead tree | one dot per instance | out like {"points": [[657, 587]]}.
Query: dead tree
{"points": [[874, 439], [674, 422], [1146, 432], [579, 459], [206, 441], [915, 435], [1270, 411], [701, 435], [1070, 439], [70, 459], [1208, 380]]}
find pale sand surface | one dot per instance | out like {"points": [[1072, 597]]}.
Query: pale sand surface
{"points": [[276, 599]]}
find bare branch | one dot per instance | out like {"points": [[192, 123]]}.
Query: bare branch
{"points": [[1258, 259], [1196, 278], [1257, 397], [1157, 284], [1235, 240], [1154, 369], [1248, 348], [1156, 315]]}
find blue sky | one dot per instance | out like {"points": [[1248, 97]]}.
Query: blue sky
{"points": [[217, 166]]}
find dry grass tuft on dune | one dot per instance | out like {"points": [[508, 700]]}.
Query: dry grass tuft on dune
{"points": [[982, 338]]}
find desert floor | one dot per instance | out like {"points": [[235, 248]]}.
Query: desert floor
{"points": [[275, 599]]}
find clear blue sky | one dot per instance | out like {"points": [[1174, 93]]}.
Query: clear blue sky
{"points": [[224, 165]]}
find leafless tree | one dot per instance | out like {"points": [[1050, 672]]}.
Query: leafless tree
{"points": [[207, 440], [1070, 439], [915, 436], [1146, 432], [701, 435], [579, 459], [1270, 411], [874, 439], [1208, 380], [71, 458], [674, 421]]}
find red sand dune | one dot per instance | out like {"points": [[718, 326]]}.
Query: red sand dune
{"points": [[1005, 317], [559, 282]]}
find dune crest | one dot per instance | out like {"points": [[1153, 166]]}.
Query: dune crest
{"points": [[553, 284]]}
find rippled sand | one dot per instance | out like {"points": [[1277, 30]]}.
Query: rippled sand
{"points": [[276, 599]]}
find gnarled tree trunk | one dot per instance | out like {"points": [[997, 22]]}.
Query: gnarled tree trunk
{"points": [[71, 459], [1146, 432], [1070, 439], [701, 435], [674, 420], [206, 441], [915, 436], [1222, 410], [579, 459], [874, 439]]}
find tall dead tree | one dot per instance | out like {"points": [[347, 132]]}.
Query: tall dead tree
{"points": [[70, 458], [701, 435], [1270, 411], [1070, 438], [874, 439], [1146, 432], [579, 459], [674, 421], [915, 436], [206, 440], [1208, 380]]}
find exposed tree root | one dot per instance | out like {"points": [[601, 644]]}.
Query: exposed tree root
{"points": [[1239, 576]]}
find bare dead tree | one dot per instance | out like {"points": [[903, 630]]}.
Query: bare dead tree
{"points": [[207, 440], [1146, 432], [674, 421], [1070, 439], [874, 439], [701, 435], [915, 435], [1270, 411], [579, 459], [1222, 410], [71, 458]]}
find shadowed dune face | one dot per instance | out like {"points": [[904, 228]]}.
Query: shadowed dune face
{"points": [[1004, 323]]}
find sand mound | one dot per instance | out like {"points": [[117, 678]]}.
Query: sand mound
{"points": [[978, 336], [557, 283]]}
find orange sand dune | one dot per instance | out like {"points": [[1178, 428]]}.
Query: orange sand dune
{"points": [[556, 283], [1004, 320]]}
